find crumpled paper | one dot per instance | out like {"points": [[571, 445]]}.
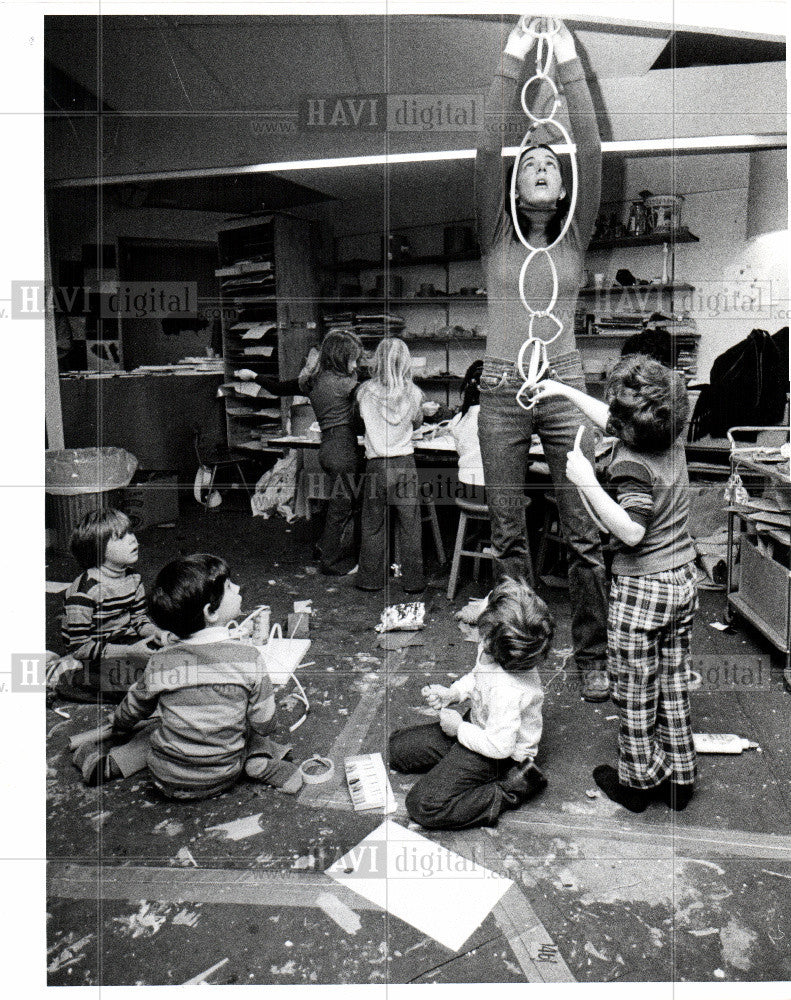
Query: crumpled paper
{"points": [[403, 617]]}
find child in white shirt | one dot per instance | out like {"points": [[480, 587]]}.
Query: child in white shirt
{"points": [[464, 428], [477, 765], [391, 406]]}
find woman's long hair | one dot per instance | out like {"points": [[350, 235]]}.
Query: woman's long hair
{"points": [[555, 223]]}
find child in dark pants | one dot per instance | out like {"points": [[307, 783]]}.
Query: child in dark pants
{"points": [[391, 406], [476, 766], [653, 595]]}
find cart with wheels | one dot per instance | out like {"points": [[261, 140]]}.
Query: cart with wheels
{"points": [[759, 536]]}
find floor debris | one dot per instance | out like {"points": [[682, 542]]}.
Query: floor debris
{"points": [[146, 922], [170, 827], [238, 829], [68, 951], [203, 976], [343, 915], [390, 867]]}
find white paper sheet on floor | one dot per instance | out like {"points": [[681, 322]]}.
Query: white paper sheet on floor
{"points": [[437, 891]]}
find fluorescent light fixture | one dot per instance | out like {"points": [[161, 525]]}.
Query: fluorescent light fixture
{"points": [[703, 144]]}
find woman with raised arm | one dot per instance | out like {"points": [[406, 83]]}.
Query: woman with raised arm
{"points": [[543, 198]]}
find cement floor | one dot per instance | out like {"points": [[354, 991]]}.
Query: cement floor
{"points": [[600, 894]]}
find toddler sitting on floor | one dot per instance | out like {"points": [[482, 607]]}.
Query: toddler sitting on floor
{"points": [[215, 698], [107, 632], [477, 765]]}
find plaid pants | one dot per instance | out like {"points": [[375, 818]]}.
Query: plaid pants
{"points": [[649, 628]]}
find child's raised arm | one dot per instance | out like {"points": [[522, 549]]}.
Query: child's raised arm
{"points": [[628, 525], [594, 409]]}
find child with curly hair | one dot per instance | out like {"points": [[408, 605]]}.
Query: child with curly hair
{"points": [[477, 765], [653, 594]]}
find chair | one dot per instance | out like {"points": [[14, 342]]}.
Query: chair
{"points": [[216, 457], [471, 512]]}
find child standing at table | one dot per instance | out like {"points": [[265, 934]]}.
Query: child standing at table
{"points": [[329, 380], [391, 406], [464, 428], [653, 594]]}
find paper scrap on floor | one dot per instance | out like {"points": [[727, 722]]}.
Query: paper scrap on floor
{"points": [[435, 890], [238, 829]]}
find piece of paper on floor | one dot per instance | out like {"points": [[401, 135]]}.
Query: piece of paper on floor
{"points": [[336, 910], [435, 890], [238, 829], [720, 626], [54, 587]]}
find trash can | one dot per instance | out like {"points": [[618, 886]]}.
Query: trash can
{"points": [[79, 480]]}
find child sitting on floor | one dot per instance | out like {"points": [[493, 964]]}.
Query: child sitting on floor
{"points": [[480, 766], [653, 594], [105, 625], [215, 698]]}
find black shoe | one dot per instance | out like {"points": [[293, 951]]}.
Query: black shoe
{"points": [[636, 800], [676, 796], [525, 781]]}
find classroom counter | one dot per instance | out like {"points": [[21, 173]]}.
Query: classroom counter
{"points": [[150, 415]]}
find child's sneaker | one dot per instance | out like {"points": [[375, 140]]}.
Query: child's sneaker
{"points": [[525, 781], [96, 764], [279, 774]]}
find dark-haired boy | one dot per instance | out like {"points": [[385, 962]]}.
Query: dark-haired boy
{"points": [[105, 624], [214, 695], [653, 596]]}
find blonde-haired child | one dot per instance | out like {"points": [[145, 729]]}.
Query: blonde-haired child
{"points": [[391, 405]]}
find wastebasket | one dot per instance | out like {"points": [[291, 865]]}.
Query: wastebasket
{"points": [[78, 480]]}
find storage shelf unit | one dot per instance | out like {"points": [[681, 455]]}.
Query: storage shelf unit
{"points": [[674, 236], [627, 307], [268, 289], [760, 592]]}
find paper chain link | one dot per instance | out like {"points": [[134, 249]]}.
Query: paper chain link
{"points": [[533, 361]]}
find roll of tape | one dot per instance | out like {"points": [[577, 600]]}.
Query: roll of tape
{"points": [[320, 777]]}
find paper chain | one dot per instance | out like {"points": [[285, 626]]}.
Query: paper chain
{"points": [[533, 352]]}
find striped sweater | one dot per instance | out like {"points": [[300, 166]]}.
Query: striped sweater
{"points": [[104, 606], [215, 702]]}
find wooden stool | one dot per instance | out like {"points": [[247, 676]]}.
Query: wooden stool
{"points": [[551, 533], [428, 515], [469, 511]]}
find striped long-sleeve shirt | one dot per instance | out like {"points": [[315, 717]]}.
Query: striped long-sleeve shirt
{"points": [[101, 607], [214, 696]]}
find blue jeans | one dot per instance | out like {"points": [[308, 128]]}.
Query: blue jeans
{"points": [[391, 488], [505, 429], [340, 458], [459, 787]]}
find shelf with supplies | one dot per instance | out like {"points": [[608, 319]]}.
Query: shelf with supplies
{"points": [[653, 239], [425, 260], [269, 295]]}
